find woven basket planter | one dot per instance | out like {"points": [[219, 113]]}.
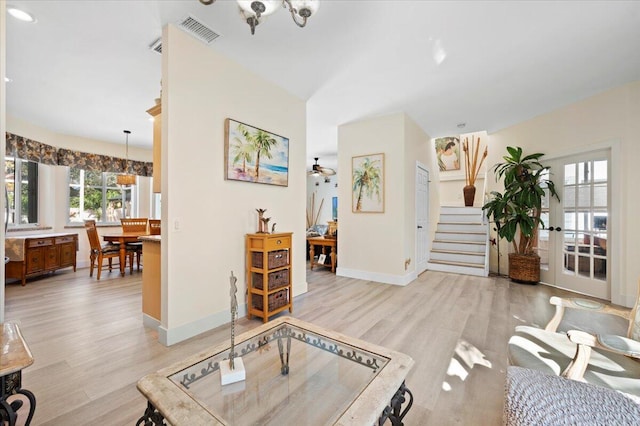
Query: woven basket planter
{"points": [[524, 268]]}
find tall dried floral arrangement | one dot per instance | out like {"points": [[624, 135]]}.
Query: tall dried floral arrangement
{"points": [[471, 159], [312, 214]]}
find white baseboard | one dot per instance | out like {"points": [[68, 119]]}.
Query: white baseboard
{"points": [[377, 277], [150, 322], [171, 336]]}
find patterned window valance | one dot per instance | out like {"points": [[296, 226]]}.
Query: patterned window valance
{"points": [[27, 149]]}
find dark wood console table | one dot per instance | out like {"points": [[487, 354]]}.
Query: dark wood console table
{"points": [[33, 255]]}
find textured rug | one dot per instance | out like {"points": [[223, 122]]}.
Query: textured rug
{"points": [[535, 398]]}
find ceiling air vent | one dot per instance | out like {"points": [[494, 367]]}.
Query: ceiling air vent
{"points": [[156, 46], [198, 29]]}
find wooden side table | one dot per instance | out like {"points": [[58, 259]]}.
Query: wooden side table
{"points": [[323, 242], [14, 356]]}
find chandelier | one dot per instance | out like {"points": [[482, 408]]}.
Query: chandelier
{"points": [[126, 179], [254, 11]]}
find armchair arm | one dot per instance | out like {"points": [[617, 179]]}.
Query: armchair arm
{"points": [[581, 304], [585, 341]]}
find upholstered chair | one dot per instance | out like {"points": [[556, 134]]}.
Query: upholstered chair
{"points": [[600, 359]]}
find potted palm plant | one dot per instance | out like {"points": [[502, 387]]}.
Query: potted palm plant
{"points": [[516, 211]]}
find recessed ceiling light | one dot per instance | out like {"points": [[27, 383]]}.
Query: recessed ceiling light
{"points": [[461, 125], [21, 14], [7, 80]]}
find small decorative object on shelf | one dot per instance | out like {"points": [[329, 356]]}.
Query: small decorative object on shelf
{"points": [[269, 274], [265, 224], [233, 371], [472, 168], [273, 228], [261, 229]]}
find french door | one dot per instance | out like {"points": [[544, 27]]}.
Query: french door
{"points": [[573, 243]]}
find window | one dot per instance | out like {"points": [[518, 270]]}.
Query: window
{"points": [[96, 195], [21, 179]]}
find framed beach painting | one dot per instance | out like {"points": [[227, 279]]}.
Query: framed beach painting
{"points": [[255, 155], [367, 183]]}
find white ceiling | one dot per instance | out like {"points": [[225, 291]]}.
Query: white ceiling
{"points": [[85, 68]]}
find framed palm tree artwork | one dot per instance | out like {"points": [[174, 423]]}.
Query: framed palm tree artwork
{"points": [[255, 155], [367, 189]]}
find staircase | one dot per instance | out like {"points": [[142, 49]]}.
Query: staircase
{"points": [[461, 243]]}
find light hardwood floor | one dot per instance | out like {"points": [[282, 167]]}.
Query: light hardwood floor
{"points": [[90, 346]]}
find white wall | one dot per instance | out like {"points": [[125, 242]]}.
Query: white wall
{"points": [[376, 245], [200, 89], [323, 191], [610, 117]]}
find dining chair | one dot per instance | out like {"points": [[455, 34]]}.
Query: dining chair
{"points": [[134, 224], [154, 226], [99, 251], [138, 224]]}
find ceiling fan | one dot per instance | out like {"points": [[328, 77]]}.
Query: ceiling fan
{"points": [[318, 170]]}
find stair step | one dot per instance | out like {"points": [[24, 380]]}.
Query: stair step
{"points": [[461, 210], [464, 246], [465, 218], [465, 264], [469, 253], [457, 256], [479, 243], [461, 227], [479, 237], [457, 269]]}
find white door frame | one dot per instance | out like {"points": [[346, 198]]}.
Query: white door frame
{"points": [[422, 266], [618, 295]]}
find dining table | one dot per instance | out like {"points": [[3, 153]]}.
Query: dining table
{"points": [[123, 238]]}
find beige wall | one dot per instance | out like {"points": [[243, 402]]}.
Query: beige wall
{"points": [[611, 118], [207, 217], [375, 245]]}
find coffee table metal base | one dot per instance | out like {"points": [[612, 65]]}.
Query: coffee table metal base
{"points": [[10, 384], [392, 412], [151, 417]]}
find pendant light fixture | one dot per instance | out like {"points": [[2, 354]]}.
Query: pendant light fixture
{"points": [[126, 179], [253, 12]]}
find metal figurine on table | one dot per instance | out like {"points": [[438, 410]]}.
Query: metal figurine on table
{"points": [[261, 229], [233, 371], [234, 314], [265, 224]]}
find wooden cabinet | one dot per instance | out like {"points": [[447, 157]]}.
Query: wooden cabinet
{"points": [[38, 254], [67, 247], [268, 274]]}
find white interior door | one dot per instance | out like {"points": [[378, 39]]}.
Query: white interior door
{"points": [[573, 245], [422, 218]]}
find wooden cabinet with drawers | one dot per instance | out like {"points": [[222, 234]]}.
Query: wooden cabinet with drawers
{"points": [[268, 274], [39, 254]]}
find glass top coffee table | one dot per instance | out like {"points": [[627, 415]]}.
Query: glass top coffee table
{"points": [[296, 373]]}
